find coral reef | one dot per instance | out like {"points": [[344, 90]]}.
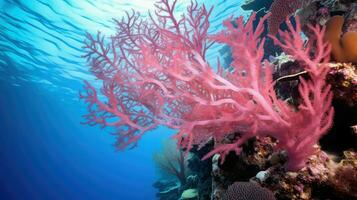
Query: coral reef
{"points": [[321, 178], [253, 123], [324, 176], [294, 45], [200, 103], [343, 78], [254, 157], [301, 184]]}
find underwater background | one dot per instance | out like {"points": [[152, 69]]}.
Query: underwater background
{"points": [[45, 152]]}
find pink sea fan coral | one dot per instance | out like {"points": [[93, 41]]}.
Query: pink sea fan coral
{"points": [[297, 130], [154, 72]]}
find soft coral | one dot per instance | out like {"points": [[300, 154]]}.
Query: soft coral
{"points": [[296, 130], [155, 73]]}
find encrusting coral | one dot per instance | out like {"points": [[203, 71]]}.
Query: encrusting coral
{"points": [[344, 46]]}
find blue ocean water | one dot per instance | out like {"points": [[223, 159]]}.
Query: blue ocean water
{"points": [[45, 153]]}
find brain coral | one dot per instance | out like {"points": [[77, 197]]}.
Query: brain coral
{"points": [[247, 191]]}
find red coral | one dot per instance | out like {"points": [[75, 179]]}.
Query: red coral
{"points": [[154, 73]]}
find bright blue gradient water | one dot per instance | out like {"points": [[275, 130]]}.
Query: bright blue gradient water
{"points": [[45, 153]]}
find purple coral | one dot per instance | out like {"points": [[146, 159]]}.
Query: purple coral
{"points": [[247, 191]]}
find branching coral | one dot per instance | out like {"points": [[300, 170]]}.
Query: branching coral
{"points": [[154, 72]]}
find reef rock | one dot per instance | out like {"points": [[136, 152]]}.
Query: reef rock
{"points": [[343, 79], [344, 178]]}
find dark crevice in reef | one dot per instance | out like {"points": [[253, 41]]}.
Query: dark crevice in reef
{"points": [[341, 136]]}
